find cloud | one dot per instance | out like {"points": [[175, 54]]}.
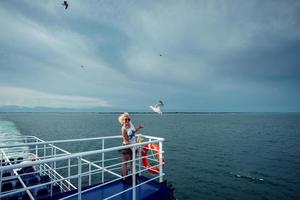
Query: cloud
{"points": [[209, 49], [41, 57], [31, 98], [192, 35]]}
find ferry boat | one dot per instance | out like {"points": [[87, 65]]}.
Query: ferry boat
{"points": [[32, 168]]}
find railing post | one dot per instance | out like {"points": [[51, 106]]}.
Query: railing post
{"points": [[51, 171], [102, 161], [44, 172], [69, 172], [133, 173], [90, 173], [52, 163], [140, 160], [44, 151], [0, 180], [79, 178], [37, 156], [160, 162], [54, 167], [36, 151]]}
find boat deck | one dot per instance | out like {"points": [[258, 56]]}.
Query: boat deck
{"points": [[36, 169]]}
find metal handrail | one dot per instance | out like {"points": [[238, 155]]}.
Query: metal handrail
{"points": [[75, 155], [67, 156], [60, 141]]}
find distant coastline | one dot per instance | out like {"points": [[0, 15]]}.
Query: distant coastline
{"points": [[19, 109]]}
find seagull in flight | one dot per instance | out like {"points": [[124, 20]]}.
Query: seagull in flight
{"points": [[65, 4], [156, 107]]}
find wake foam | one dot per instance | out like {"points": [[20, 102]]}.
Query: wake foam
{"points": [[10, 135], [247, 177]]}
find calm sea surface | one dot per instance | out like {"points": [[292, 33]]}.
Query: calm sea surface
{"points": [[208, 156]]}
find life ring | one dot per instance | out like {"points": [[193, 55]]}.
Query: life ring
{"points": [[145, 161]]}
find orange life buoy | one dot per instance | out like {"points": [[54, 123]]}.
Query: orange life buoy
{"points": [[154, 147]]}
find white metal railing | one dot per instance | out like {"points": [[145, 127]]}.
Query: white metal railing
{"points": [[73, 170]]}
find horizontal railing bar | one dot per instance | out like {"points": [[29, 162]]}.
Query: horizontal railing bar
{"points": [[109, 166], [106, 167], [152, 137], [74, 140], [98, 186], [75, 176], [16, 149], [75, 155], [22, 137], [40, 158], [84, 160], [60, 141]]}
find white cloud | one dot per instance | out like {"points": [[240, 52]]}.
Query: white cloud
{"points": [[31, 98], [52, 56]]}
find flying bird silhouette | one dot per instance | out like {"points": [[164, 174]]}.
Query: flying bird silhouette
{"points": [[156, 107], [65, 4]]}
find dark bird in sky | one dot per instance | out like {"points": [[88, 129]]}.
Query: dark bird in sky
{"points": [[65, 4], [160, 55]]}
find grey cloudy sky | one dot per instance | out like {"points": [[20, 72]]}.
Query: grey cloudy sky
{"points": [[215, 55]]}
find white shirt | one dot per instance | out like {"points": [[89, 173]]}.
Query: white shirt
{"points": [[130, 133]]}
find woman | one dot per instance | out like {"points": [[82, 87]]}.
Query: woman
{"points": [[128, 134]]}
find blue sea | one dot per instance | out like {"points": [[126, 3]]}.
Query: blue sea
{"points": [[208, 155]]}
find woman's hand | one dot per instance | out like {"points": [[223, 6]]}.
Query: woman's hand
{"points": [[141, 126]]}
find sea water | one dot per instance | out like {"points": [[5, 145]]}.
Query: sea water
{"points": [[208, 155]]}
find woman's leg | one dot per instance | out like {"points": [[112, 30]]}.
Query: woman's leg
{"points": [[130, 158], [126, 157]]}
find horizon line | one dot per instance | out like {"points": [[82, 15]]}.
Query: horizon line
{"points": [[149, 112]]}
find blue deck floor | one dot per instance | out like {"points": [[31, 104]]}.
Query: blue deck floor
{"points": [[150, 190]]}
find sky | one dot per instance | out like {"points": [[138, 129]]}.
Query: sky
{"points": [[116, 55]]}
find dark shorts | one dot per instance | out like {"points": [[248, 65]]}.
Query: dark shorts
{"points": [[125, 151]]}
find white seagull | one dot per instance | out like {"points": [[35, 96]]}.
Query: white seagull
{"points": [[156, 107]]}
